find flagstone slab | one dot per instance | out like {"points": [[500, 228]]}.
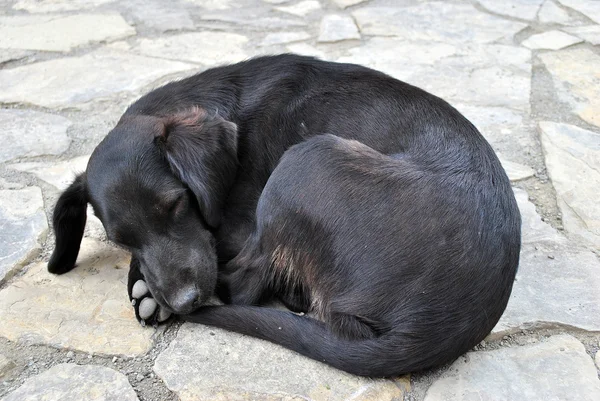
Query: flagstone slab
{"points": [[69, 82], [60, 32], [87, 309], [589, 8], [71, 382], [523, 9], [557, 368], [23, 226]]}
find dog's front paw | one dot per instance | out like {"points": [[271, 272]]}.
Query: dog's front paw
{"points": [[147, 310]]}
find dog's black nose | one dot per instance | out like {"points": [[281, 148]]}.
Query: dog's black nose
{"points": [[186, 301]]}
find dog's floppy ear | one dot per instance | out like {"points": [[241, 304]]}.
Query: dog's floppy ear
{"points": [[202, 152], [69, 222]]}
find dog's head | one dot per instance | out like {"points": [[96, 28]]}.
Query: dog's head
{"points": [[158, 185]]}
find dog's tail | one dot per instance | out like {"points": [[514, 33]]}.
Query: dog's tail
{"points": [[384, 356]]}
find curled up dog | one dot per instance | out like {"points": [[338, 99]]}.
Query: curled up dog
{"points": [[332, 187]]}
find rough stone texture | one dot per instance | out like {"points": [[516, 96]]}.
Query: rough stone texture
{"points": [[572, 158], [69, 81], [597, 359], [551, 40], [258, 19], [516, 171], [60, 33], [211, 364], [335, 28], [58, 174], [49, 6], [208, 48], [555, 369], [435, 21], [307, 50], [278, 38], [70, 382], [7, 55], [590, 8], [22, 225], [86, 309], [576, 78], [550, 13], [161, 16], [589, 33], [505, 71], [557, 282], [524, 9], [6, 365], [301, 9], [27, 133], [347, 3]]}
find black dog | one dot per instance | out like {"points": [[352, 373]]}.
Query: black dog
{"points": [[333, 187]]}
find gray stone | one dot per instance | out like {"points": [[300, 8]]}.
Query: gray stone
{"points": [[161, 16], [204, 363], [590, 33], [557, 282], [7, 55], [576, 79], [58, 174], [87, 309], [50, 6], [347, 3], [550, 13], [23, 225], [216, 4], [4, 184], [335, 28], [516, 171], [505, 129], [74, 83], [555, 369], [590, 8], [597, 359], [301, 9], [524, 9], [551, 40], [307, 50], [60, 33], [435, 21], [71, 382], [278, 38], [505, 71], [258, 19], [6, 365], [28, 133], [276, 1], [207, 48], [572, 157]]}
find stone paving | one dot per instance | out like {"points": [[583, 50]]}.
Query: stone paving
{"points": [[525, 72]]}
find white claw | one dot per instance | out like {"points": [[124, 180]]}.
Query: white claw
{"points": [[147, 307], [133, 301], [139, 289]]}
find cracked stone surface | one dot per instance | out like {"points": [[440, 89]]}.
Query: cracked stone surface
{"points": [[577, 81], [74, 83], [551, 40], [86, 309], [435, 21], [23, 225], [524, 72], [555, 369], [217, 48], [60, 33], [211, 364], [335, 28], [29, 133], [71, 382], [557, 282], [572, 157], [589, 8]]}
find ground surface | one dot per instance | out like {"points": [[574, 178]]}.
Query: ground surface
{"points": [[526, 72]]}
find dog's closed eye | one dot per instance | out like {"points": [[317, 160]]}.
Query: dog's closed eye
{"points": [[175, 203]]}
